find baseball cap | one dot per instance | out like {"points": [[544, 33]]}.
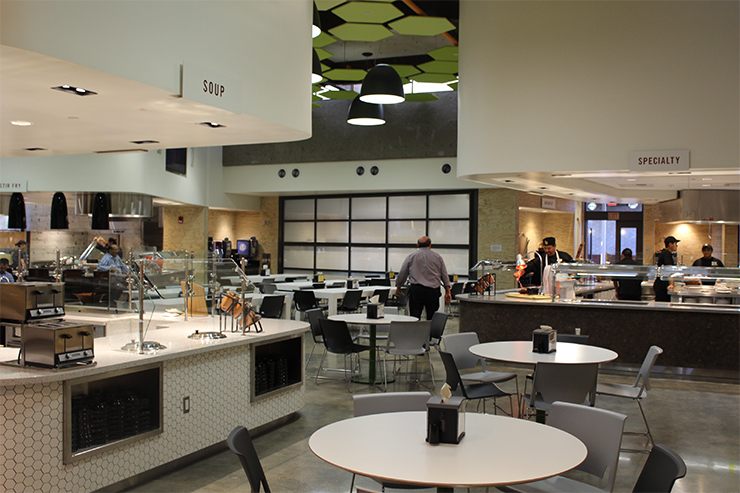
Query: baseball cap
{"points": [[21, 242], [707, 246], [670, 239], [549, 241]]}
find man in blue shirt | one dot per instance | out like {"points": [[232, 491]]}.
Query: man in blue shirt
{"points": [[5, 275], [111, 262]]}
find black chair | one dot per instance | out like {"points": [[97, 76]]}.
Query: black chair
{"points": [[457, 288], [305, 300], [241, 444], [351, 301], [268, 287], [337, 340], [382, 295], [378, 282], [399, 301], [313, 316], [439, 321], [660, 472], [472, 391], [272, 306]]}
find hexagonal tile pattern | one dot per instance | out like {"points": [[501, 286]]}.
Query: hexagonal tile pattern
{"points": [[345, 74], [439, 67], [405, 70], [217, 383], [352, 31], [422, 26], [327, 4], [323, 54], [453, 85], [437, 78], [340, 94], [446, 53], [322, 40], [367, 12]]}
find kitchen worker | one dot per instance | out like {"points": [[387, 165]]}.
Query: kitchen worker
{"points": [[425, 271], [665, 257], [111, 262], [708, 260], [549, 254], [19, 257], [628, 289], [5, 275]]}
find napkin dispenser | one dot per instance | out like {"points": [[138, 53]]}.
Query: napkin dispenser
{"points": [[544, 339], [375, 310], [445, 420]]}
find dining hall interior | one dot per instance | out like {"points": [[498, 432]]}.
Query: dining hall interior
{"points": [[228, 183]]}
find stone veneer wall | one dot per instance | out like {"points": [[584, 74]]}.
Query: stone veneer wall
{"points": [[238, 225], [191, 234], [217, 382], [539, 225], [497, 225]]}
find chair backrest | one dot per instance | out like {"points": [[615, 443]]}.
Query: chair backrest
{"points": [[268, 287], [574, 338], [379, 282], [351, 300], [574, 383], [660, 472], [337, 338], [241, 444], [272, 306], [390, 402], [458, 345], [304, 300], [408, 336], [382, 295], [457, 288], [469, 287], [452, 377], [439, 320], [314, 315], [599, 429], [647, 366]]}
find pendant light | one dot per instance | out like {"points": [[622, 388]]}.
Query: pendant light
{"points": [[17, 212], [316, 70], [100, 211], [316, 27], [365, 114], [59, 217], [382, 85]]}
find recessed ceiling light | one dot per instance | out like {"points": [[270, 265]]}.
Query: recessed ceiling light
{"points": [[706, 179], [144, 142], [211, 124], [631, 179], [74, 90], [679, 172], [21, 123], [36, 149], [542, 188], [706, 184]]}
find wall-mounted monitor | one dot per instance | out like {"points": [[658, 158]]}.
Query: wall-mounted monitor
{"points": [[176, 161], [242, 247]]}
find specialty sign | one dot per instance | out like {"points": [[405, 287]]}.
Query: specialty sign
{"points": [[677, 160]]}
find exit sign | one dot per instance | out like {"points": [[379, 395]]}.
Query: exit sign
{"points": [[613, 216]]}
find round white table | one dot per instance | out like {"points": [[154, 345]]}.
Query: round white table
{"points": [[521, 352], [361, 319], [392, 447]]}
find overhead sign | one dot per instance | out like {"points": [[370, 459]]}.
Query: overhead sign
{"points": [[18, 186], [548, 203], [677, 160], [208, 87]]}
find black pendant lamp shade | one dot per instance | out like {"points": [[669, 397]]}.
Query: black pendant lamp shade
{"points": [[17, 212], [100, 211], [382, 85], [316, 70], [316, 27], [365, 114], [59, 218]]}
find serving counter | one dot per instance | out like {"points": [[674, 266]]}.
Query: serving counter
{"points": [[195, 392]]}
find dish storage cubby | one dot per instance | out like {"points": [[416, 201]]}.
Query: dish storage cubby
{"points": [[276, 366], [110, 410]]}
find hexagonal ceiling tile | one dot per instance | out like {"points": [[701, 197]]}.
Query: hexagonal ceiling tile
{"points": [[439, 67], [322, 40], [345, 74], [446, 53], [340, 94], [353, 31], [327, 4], [368, 12], [438, 78], [323, 54], [423, 97], [453, 85], [405, 70], [422, 26]]}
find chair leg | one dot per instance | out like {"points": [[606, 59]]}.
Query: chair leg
{"points": [[646, 434], [321, 365], [308, 360]]}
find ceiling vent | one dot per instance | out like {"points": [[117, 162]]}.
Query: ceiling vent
{"points": [[702, 207], [121, 204]]}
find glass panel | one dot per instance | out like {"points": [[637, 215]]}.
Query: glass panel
{"points": [[332, 232], [405, 231], [298, 257], [368, 208], [453, 232], [298, 232], [628, 239], [407, 207], [368, 259], [368, 232], [455, 260], [396, 256], [449, 205], [332, 258], [602, 241], [299, 209], [332, 208]]}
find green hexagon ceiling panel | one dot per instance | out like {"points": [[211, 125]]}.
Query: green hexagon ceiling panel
{"points": [[323, 54], [340, 94], [437, 78], [345, 74], [327, 4], [322, 40], [439, 67], [446, 53], [352, 31], [368, 12], [422, 26], [405, 70]]}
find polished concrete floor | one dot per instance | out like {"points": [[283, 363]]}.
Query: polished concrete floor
{"points": [[699, 420]]}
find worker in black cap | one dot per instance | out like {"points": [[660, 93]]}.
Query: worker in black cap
{"points": [[549, 254], [19, 257], [707, 261], [665, 257]]}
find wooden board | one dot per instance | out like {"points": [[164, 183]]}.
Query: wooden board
{"points": [[197, 302], [541, 298]]}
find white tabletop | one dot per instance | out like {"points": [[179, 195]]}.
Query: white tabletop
{"points": [[521, 352], [392, 447], [361, 318]]}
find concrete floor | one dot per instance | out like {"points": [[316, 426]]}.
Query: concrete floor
{"points": [[699, 420]]}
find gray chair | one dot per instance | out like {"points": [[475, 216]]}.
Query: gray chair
{"points": [[660, 472], [268, 287], [406, 339], [272, 306], [439, 322], [574, 383], [481, 391], [600, 430], [636, 391], [241, 444], [459, 346]]}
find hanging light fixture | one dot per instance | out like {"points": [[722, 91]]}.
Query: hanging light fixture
{"points": [[59, 217], [316, 27], [100, 211], [382, 85], [316, 71], [17, 212], [365, 114]]}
